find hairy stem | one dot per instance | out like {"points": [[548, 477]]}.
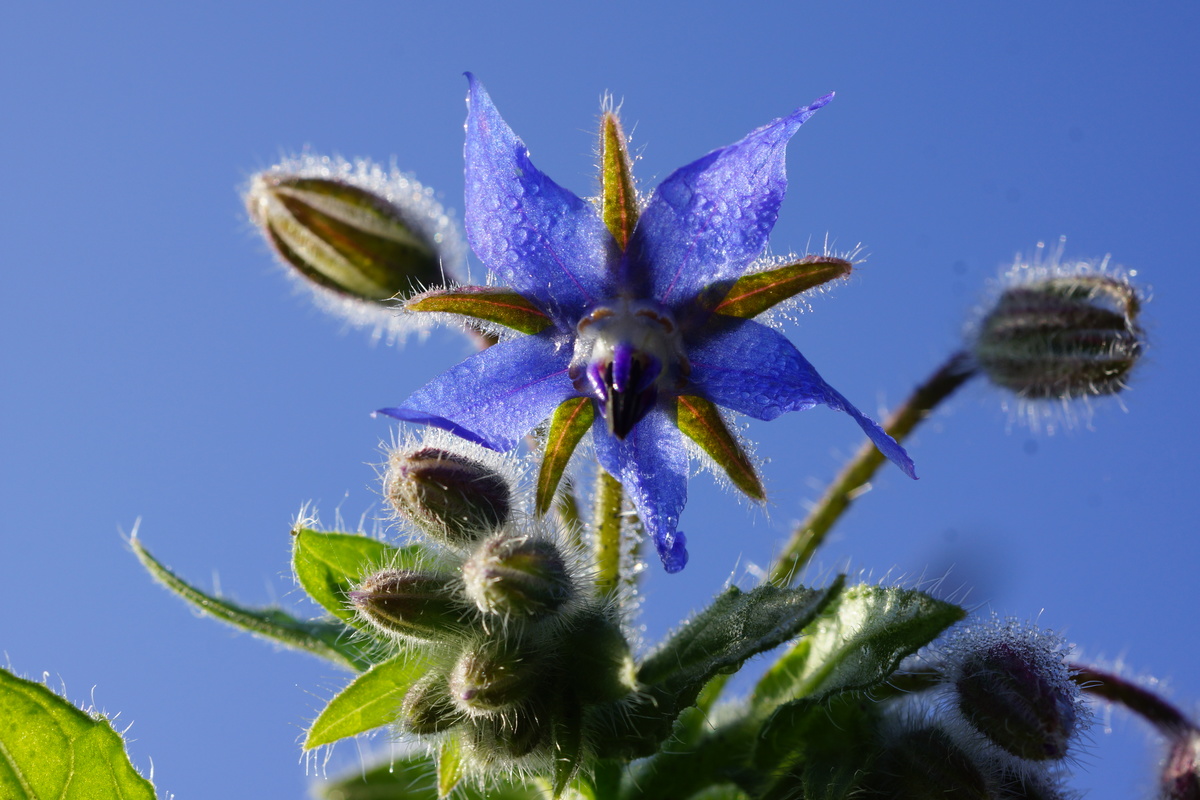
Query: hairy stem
{"points": [[809, 535], [606, 540], [1168, 720]]}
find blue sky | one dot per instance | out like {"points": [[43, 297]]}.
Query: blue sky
{"points": [[157, 366]]}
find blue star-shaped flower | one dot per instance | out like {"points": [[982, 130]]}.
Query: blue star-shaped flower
{"points": [[633, 325]]}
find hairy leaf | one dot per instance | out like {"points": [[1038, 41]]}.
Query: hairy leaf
{"points": [[51, 749], [371, 701], [857, 642], [325, 639], [328, 565], [414, 777]]}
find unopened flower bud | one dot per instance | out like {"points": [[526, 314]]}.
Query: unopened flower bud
{"points": [[494, 676], [1181, 772], [427, 708], [345, 237], [517, 576], [1062, 336], [514, 734], [925, 764], [413, 605], [451, 497], [600, 664], [1011, 684]]}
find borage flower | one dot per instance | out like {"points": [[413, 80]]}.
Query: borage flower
{"points": [[637, 316]]}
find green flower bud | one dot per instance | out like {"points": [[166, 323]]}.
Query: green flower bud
{"points": [[335, 228], [449, 496], [600, 665], [518, 576], [412, 605], [925, 764], [1062, 336], [427, 708], [511, 735], [495, 676]]}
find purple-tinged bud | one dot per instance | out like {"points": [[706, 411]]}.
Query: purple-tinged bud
{"points": [[412, 605], [427, 708], [925, 764], [449, 496], [1061, 332], [1011, 684], [518, 576], [1029, 784], [1181, 772], [495, 676]]}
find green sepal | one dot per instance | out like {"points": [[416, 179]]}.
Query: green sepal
{"points": [[329, 564], [857, 642], [318, 637], [501, 306], [50, 748], [702, 423], [372, 700], [753, 294], [450, 763], [619, 205], [567, 747], [414, 777], [570, 422]]}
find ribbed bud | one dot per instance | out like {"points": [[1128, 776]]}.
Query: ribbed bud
{"points": [[427, 708], [925, 764], [344, 237], [1007, 695], [494, 676], [517, 576], [413, 605], [600, 665], [449, 496], [1061, 337]]}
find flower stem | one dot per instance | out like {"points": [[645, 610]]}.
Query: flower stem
{"points": [[607, 534], [809, 535], [1168, 720]]}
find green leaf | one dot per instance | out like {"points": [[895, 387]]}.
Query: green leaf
{"points": [[415, 778], [618, 195], [735, 627], [702, 423], [817, 749], [450, 758], [501, 306], [568, 748], [753, 294], [570, 422], [857, 642], [371, 701], [51, 749], [320, 638], [328, 565]]}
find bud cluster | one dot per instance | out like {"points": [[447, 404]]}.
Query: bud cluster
{"points": [[524, 653]]}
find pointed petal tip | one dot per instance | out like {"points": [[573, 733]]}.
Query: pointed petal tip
{"points": [[425, 418], [672, 549]]}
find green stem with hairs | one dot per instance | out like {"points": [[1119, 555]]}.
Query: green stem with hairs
{"points": [[606, 540], [809, 535]]}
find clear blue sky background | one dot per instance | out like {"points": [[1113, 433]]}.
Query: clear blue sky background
{"points": [[156, 365]]}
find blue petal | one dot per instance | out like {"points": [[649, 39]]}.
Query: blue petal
{"points": [[497, 396], [652, 464], [535, 236], [756, 371], [709, 220]]}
